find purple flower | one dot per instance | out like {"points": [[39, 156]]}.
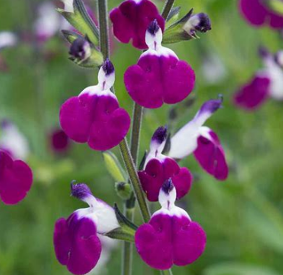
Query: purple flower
{"points": [[159, 77], [95, 116], [131, 19], [202, 141], [258, 14], [267, 82], [15, 179], [170, 237], [159, 168], [60, 142], [77, 239]]}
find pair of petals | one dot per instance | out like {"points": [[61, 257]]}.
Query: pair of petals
{"points": [[15, 179], [76, 244], [131, 20], [257, 14], [168, 240], [158, 79], [95, 119], [157, 172]]}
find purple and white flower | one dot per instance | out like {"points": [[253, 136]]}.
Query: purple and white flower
{"points": [[202, 142], [159, 168], [267, 82], [77, 239], [12, 141], [171, 237], [257, 13], [95, 116], [15, 179], [159, 76], [131, 19]]}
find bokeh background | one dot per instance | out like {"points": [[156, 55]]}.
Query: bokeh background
{"points": [[241, 216]]}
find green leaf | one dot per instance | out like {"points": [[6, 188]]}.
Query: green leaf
{"points": [[71, 36]]}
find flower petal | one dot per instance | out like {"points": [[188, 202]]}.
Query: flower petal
{"points": [[15, 179]]}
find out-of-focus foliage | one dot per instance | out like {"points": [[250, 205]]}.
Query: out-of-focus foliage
{"points": [[242, 216]]}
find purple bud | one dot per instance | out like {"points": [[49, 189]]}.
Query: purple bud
{"points": [[159, 135], [212, 105], [263, 52], [80, 49], [80, 190], [5, 123], [167, 186], [204, 23], [153, 27], [108, 67]]}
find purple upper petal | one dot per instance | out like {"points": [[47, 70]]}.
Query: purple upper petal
{"points": [[157, 172], [132, 18], [159, 79], [253, 94], [211, 156], [168, 240], [257, 14], [76, 244], [96, 119], [15, 179]]}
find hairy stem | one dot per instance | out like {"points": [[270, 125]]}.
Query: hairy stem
{"points": [[103, 27], [167, 8]]}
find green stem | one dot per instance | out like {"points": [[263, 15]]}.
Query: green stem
{"points": [[134, 178], [103, 27], [127, 248], [166, 272], [135, 137], [167, 8]]}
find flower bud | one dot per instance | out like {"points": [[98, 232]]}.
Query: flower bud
{"points": [[187, 27], [123, 190]]}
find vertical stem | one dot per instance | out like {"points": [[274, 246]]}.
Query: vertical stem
{"points": [[103, 27], [167, 8], [137, 121]]}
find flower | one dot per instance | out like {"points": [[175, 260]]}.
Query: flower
{"points": [[267, 82], [159, 77], [257, 13], [12, 141], [15, 179], [131, 19], [95, 116], [59, 141], [159, 168], [170, 237], [77, 239], [7, 39], [202, 141]]}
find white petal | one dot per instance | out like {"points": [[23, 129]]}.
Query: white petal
{"points": [[7, 39], [276, 75], [68, 5]]}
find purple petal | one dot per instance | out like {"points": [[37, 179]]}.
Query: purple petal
{"points": [[76, 244], [159, 79], [211, 156], [157, 172], [59, 141], [131, 19], [180, 241], [258, 15], [253, 94], [15, 179], [95, 119]]}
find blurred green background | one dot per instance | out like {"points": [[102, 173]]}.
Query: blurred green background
{"points": [[241, 216]]}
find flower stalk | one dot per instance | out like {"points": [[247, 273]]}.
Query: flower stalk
{"points": [[167, 8]]}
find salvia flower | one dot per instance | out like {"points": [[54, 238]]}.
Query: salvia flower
{"points": [[59, 141], [95, 116], [7, 39], [15, 179], [202, 142], [187, 27], [131, 19], [257, 13], [159, 77], [170, 237], [267, 82], [77, 239], [12, 141], [159, 168]]}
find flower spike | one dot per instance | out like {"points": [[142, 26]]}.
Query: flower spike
{"points": [[171, 231]]}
